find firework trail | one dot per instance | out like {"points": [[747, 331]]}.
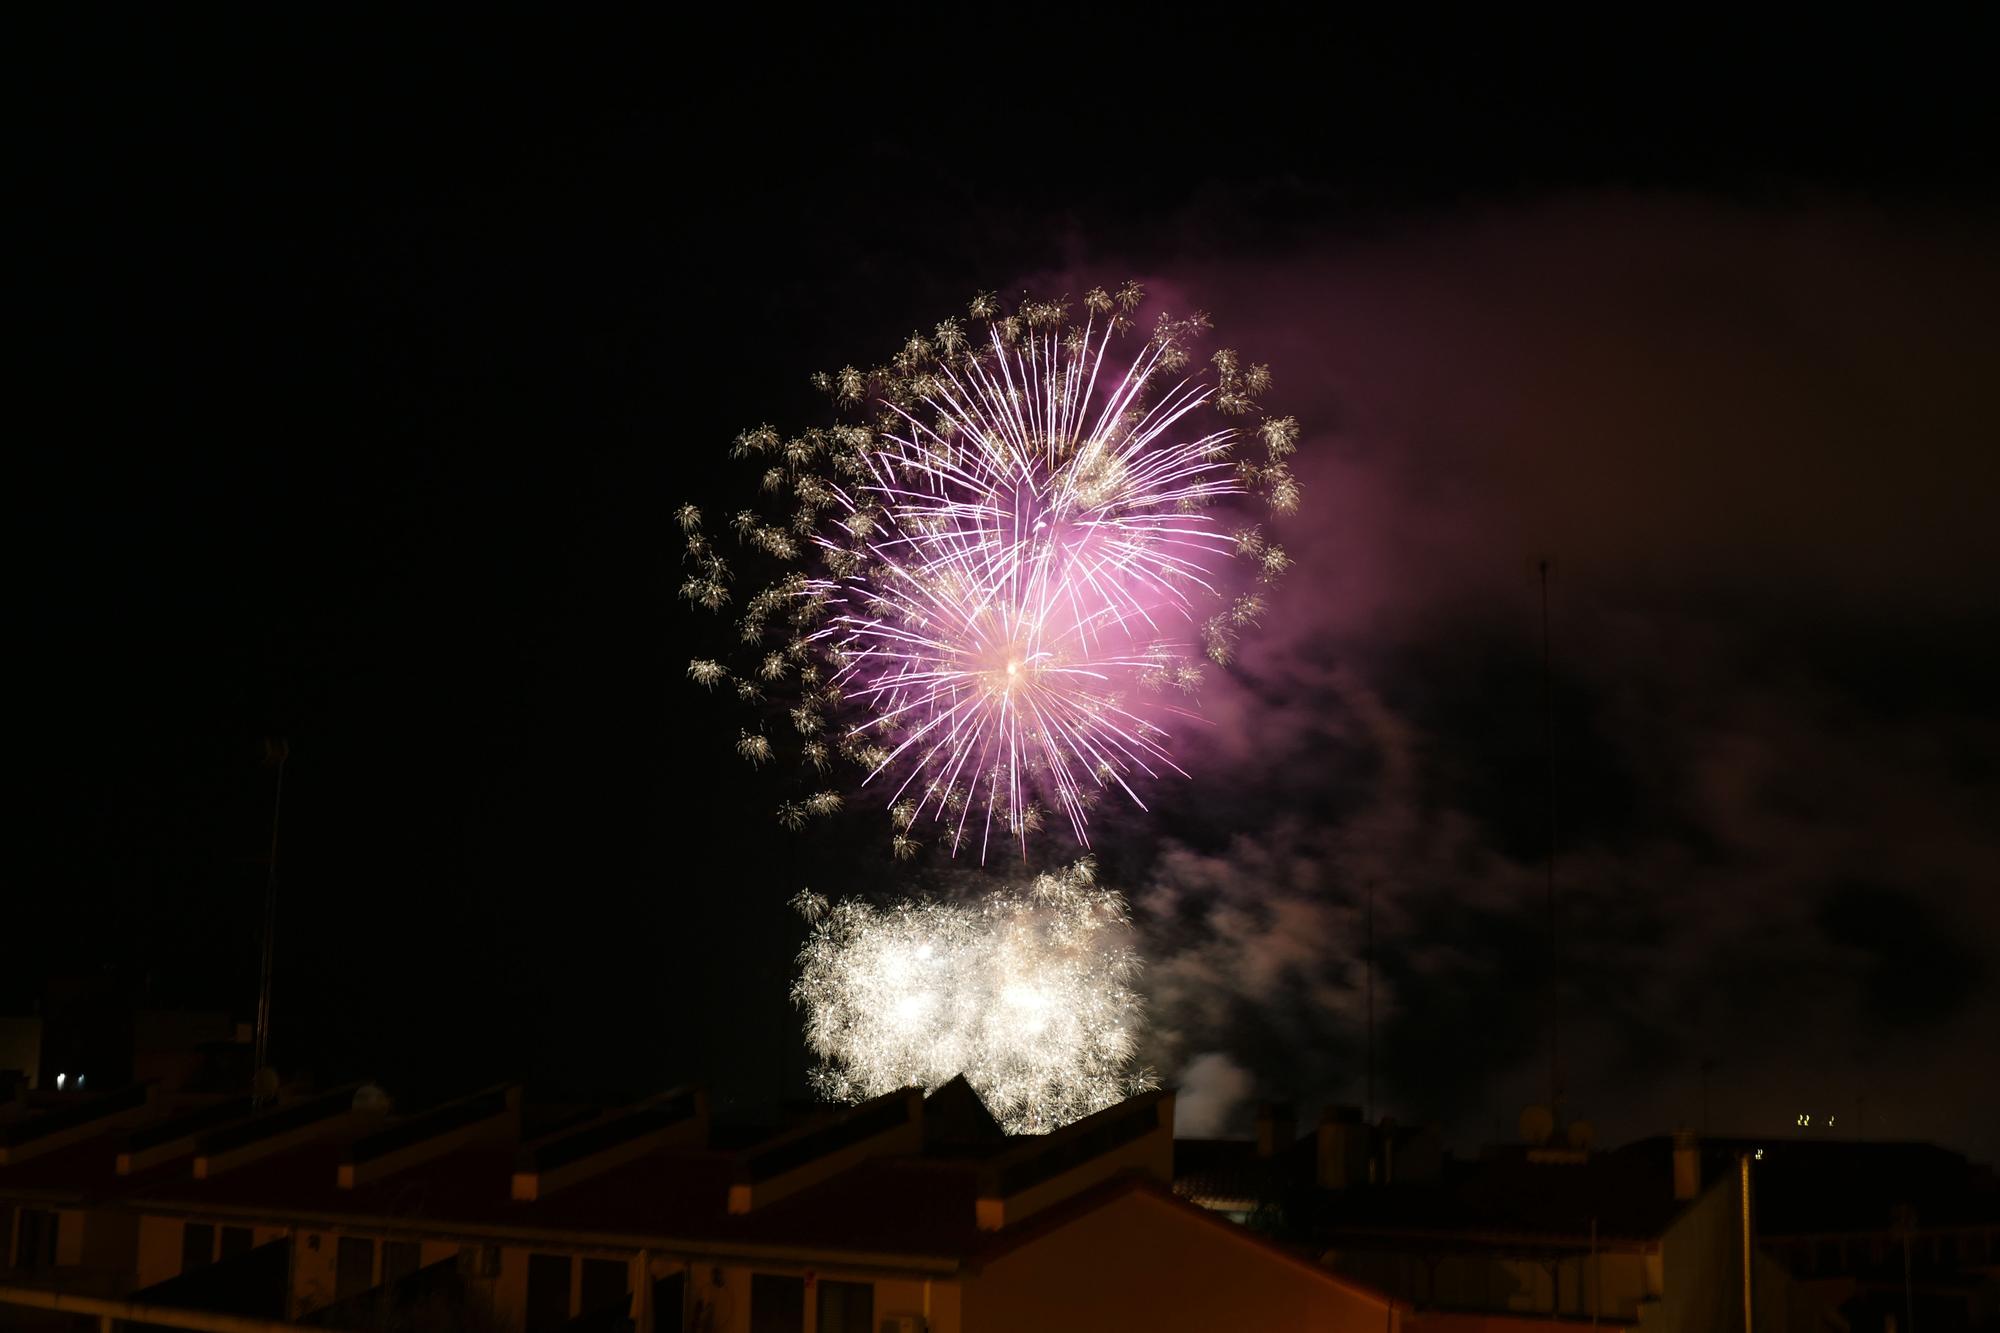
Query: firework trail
{"points": [[994, 592], [1027, 992]]}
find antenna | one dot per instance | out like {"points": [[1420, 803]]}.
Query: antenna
{"points": [[1368, 1059], [276, 751], [1549, 753]]}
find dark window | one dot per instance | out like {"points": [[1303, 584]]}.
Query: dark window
{"points": [[37, 1240], [197, 1246], [235, 1241], [548, 1292], [399, 1259], [777, 1304], [670, 1303], [353, 1267], [604, 1287], [846, 1307]]}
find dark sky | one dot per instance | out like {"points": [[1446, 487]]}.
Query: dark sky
{"points": [[365, 357]]}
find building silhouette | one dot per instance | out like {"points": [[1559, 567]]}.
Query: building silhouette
{"points": [[1648, 1236]]}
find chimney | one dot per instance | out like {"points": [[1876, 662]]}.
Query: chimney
{"points": [[1277, 1128], [1342, 1157], [1687, 1165]]}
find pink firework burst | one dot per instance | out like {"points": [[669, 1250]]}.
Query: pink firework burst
{"points": [[1039, 544], [993, 586]]}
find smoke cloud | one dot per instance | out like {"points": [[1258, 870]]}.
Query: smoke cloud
{"points": [[1754, 445]]}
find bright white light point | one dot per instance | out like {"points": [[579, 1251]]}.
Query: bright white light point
{"points": [[1026, 991]]}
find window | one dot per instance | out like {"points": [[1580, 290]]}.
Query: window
{"points": [[548, 1292], [846, 1307], [670, 1303], [37, 1250], [777, 1304], [235, 1241], [400, 1258], [604, 1287], [353, 1267], [197, 1246]]}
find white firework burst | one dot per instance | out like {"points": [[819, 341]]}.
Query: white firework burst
{"points": [[1027, 991]]}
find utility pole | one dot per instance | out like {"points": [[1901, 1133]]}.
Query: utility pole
{"points": [[1549, 753], [1749, 1257], [276, 751]]}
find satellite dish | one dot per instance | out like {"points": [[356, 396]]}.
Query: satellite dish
{"points": [[1538, 1125], [1581, 1132]]}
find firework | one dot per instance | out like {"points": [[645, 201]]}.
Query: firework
{"points": [[1027, 992], [997, 592]]}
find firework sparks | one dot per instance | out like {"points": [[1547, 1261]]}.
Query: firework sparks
{"points": [[1030, 562], [1027, 992], [1013, 572]]}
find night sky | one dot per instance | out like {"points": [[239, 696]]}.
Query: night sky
{"points": [[362, 360]]}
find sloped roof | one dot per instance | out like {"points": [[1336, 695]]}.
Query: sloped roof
{"points": [[1054, 1218], [956, 1115], [85, 1172], [916, 1208]]}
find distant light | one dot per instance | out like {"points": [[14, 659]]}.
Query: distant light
{"points": [[61, 1079], [79, 1082], [1760, 1154]]}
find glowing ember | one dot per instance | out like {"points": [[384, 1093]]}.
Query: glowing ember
{"points": [[1028, 993]]}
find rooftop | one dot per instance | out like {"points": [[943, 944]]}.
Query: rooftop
{"points": [[882, 1184]]}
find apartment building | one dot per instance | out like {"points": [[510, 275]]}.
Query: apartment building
{"points": [[906, 1213]]}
